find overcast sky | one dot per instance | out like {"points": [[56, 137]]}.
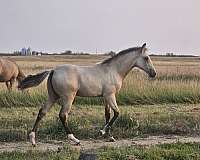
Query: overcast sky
{"points": [[102, 25]]}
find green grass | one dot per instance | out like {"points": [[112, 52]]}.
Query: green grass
{"points": [[66, 154], [86, 121], [177, 151]]}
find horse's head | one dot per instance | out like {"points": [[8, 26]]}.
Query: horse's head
{"points": [[144, 62]]}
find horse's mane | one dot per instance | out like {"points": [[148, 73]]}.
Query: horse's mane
{"points": [[121, 53]]}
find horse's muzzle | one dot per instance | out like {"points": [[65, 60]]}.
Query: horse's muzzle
{"points": [[152, 73]]}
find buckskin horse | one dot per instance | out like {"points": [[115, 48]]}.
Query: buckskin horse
{"points": [[10, 72], [100, 80]]}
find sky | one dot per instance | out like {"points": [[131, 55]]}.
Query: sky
{"points": [[100, 25]]}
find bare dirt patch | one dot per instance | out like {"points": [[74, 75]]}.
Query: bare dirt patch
{"points": [[96, 144]]}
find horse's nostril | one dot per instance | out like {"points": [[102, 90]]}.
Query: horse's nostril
{"points": [[152, 74], [155, 74]]}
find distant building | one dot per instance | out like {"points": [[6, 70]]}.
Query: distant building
{"points": [[35, 53], [26, 52], [170, 54], [23, 52]]}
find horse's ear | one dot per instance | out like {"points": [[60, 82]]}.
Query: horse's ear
{"points": [[144, 45], [143, 48]]}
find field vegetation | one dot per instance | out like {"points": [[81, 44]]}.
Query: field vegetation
{"points": [[177, 81], [178, 151], [166, 105], [87, 120]]}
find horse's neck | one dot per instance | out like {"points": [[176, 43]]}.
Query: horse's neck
{"points": [[124, 64]]}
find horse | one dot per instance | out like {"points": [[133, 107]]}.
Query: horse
{"points": [[99, 80], [10, 72]]}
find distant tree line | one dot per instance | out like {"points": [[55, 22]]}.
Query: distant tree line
{"points": [[172, 55], [111, 53], [69, 52]]}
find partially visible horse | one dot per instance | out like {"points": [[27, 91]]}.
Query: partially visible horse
{"points": [[100, 80], [10, 72]]}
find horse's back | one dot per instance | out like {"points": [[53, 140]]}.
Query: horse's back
{"points": [[85, 80]]}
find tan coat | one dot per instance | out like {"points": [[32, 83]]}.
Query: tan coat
{"points": [[10, 72]]}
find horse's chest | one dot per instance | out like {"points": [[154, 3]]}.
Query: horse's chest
{"points": [[114, 84], [118, 86]]}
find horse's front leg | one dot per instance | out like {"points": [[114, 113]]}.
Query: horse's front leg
{"points": [[107, 118], [107, 112], [111, 102]]}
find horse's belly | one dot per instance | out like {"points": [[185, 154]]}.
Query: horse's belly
{"points": [[3, 78], [89, 91]]}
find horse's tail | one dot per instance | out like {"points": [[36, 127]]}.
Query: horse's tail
{"points": [[33, 80]]}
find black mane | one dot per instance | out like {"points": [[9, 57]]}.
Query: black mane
{"points": [[123, 52]]}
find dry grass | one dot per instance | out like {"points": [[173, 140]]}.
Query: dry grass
{"points": [[177, 80]]}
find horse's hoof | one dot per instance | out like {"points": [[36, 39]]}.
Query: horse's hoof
{"points": [[78, 144], [73, 139], [111, 139], [102, 132], [32, 138], [34, 145]]}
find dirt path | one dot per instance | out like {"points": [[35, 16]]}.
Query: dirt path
{"points": [[95, 144]]}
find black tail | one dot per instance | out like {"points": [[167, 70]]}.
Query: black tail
{"points": [[33, 80]]}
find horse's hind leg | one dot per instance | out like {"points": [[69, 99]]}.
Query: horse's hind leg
{"points": [[42, 112], [12, 81], [52, 98], [8, 85], [66, 107]]}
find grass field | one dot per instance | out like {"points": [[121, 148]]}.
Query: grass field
{"points": [[87, 120], [166, 105], [176, 151], [177, 80]]}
